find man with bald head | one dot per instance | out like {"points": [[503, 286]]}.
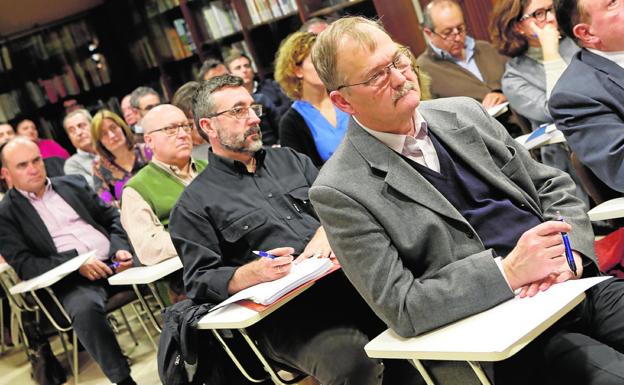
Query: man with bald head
{"points": [[150, 195], [45, 222]]}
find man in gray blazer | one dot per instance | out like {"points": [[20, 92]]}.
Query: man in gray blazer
{"points": [[588, 100], [436, 213]]}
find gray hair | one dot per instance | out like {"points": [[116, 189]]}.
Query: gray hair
{"points": [[325, 50], [80, 111], [427, 19], [183, 97], [139, 92], [204, 104]]}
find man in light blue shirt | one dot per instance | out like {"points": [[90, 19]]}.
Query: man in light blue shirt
{"points": [[458, 64]]}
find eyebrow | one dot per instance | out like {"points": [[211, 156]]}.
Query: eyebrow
{"points": [[372, 71]]}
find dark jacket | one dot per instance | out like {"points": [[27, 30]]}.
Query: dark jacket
{"points": [[295, 133], [588, 106], [25, 241], [270, 89]]}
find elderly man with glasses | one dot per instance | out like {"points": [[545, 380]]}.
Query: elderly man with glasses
{"points": [[150, 195], [253, 198], [458, 64]]}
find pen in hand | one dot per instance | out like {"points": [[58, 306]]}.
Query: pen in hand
{"points": [[568, 248], [264, 254]]}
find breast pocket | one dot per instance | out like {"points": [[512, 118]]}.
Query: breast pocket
{"points": [[511, 166], [301, 200], [240, 228]]}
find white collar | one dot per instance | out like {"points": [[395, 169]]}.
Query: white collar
{"points": [[396, 141], [615, 56]]}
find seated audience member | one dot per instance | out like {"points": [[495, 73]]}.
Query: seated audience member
{"points": [[78, 127], [183, 99], [313, 125], [149, 196], [211, 68], [45, 222], [128, 112], [422, 200], [6, 133], [48, 147], [250, 198], [142, 99], [529, 35], [119, 157], [266, 93], [588, 100], [458, 64]]}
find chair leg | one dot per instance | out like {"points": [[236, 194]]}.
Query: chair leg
{"points": [[145, 329], [479, 372], [125, 319], [423, 372], [75, 354]]}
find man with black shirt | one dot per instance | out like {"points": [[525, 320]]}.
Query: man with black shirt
{"points": [[249, 198]]}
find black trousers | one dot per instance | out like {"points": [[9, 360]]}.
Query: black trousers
{"points": [[586, 347], [85, 302]]}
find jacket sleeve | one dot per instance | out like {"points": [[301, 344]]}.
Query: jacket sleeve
{"points": [[525, 98], [594, 129], [206, 278]]}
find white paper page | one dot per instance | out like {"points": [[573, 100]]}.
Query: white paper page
{"points": [[498, 109]]}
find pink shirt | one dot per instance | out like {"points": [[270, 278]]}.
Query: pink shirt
{"points": [[50, 148], [67, 229]]}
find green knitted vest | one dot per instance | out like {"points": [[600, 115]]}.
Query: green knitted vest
{"points": [[160, 189]]}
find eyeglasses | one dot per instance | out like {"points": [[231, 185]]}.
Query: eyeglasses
{"points": [[401, 63], [540, 14], [174, 129], [241, 113], [452, 33]]}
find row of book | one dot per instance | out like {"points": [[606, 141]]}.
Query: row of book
{"points": [[220, 19], [156, 7], [261, 11]]}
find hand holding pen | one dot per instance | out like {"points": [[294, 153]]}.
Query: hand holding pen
{"points": [[568, 249], [275, 263]]}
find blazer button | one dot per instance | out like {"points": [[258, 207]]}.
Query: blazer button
{"points": [[245, 227], [288, 217], [270, 195]]}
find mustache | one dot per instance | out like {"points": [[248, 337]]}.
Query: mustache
{"points": [[252, 130], [407, 87]]}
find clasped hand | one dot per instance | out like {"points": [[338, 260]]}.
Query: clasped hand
{"points": [[95, 269]]}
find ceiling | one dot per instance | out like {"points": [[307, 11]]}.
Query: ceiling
{"points": [[20, 15]]}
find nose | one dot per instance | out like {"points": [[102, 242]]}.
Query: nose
{"points": [[397, 79], [253, 119], [550, 16]]}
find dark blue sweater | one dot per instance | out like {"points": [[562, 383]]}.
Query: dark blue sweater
{"points": [[498, 221]]}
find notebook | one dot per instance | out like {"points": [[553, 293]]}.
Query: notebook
{"points": [[268, 292]]}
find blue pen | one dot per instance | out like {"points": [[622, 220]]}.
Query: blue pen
{"points": [[113, 266], [568, 248], [264, 254]]}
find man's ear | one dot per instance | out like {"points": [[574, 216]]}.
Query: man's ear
{"points": [[339, 101], [583, 33], [5, 175], [205, 124], [428, 32]]}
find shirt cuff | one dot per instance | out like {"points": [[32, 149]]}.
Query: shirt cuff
{"points": [[499, 263]]}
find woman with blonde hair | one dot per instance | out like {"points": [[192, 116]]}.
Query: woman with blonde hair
{"points": [[119, 157], [312, 125]]}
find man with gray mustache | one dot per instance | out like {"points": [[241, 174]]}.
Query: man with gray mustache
{"points": [[435, 214], [253, 198]]}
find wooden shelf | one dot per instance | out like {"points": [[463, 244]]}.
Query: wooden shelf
{"points": [[274, 20], [335, 8]]}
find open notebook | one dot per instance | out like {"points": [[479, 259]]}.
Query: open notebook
{"points": [[268, 292]]}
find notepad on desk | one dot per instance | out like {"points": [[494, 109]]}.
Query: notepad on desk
{"points": [[498, 109], [268, 292]]}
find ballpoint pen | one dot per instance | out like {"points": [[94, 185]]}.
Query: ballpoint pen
{"points": [[113, 266], [264, 254], [568, 248]]}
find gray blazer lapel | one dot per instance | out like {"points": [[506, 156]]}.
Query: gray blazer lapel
{"points": [[399, 174], [466, 143]]}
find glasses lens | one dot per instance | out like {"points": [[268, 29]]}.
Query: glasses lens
{"points": [[257, 109]]}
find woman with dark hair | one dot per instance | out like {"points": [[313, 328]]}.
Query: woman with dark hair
{"points": [[527, 31], [119, 158]]}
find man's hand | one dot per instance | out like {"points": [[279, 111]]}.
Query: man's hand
{"points": [[317, 247], [538, 253], [492, 99], [95, 269], [548, 37], [262, 270], [124, 258], [562, 275]]}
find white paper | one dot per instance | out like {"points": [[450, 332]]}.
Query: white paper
{"points": [[498, 109], [268, 292]]}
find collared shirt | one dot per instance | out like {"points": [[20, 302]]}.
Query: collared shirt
{"points": [[150, 239], [616, 56], [67, 229], [468, 63], [227, 212], [418, 147]]}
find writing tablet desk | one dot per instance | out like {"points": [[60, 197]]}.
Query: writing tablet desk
{"points": [[493, 335], [147, 275], [613, 208], [238, 317]]}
